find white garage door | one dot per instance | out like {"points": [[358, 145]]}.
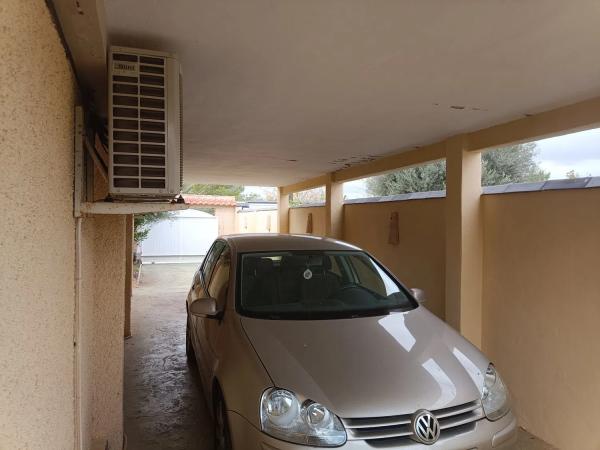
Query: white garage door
{"points": [[186, 236]]}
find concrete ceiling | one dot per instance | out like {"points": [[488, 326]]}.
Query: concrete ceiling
{"points": [[277, 91]]}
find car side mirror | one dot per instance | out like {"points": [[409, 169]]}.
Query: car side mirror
{"points": [[419, 295], [205, 307]]}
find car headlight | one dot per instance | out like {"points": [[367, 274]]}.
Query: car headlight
{"points": [[309, 423], [495, 397]]}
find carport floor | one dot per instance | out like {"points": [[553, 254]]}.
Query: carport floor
{"points": [[163, 405]]}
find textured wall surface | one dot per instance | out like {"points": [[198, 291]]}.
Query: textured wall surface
{"points": [[419, 257], [36, 232], [106, 361], [299, 218], [226, 217], [256, 222], [542, 308], [101, 315]]}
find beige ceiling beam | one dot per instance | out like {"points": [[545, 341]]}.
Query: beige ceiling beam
{"points": [[304, 185], [408, 158], [577, 117], [567, 119]]}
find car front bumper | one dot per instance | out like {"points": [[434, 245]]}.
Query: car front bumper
{"points": [[486, 436]]}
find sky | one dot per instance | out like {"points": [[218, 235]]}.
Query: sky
{"points": [[558, 155], [577, 151]]}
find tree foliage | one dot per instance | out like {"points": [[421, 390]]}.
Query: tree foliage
{"points": [[143, 222], [234, 190], [512, 164], [316, 195], [268, 194]]}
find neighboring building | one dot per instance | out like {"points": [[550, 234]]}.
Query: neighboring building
{"points": [[222, 206], [185, 237], [254, 205]]}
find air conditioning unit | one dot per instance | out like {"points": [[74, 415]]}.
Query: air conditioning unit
{"points": [[144, 125]]}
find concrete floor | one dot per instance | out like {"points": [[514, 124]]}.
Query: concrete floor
{"points": [[163, 405]]}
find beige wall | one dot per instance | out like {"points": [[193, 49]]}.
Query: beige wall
{"points": [[37, 256], [299, 217], [102, 322], [37, 232], [256, 221], [541, 310], [419, 257], [226, 218]]}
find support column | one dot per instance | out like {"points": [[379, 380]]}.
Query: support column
{"points": [[283, 211], [128, 273], [334, 208], [464, 240]]}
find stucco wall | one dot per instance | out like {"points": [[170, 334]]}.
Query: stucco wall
{"points": [[101, 315], [541, 309], [227, 218], [107, 350], [419, 257], [36, 231], [299, 218], [256, 221], [37, 256]]}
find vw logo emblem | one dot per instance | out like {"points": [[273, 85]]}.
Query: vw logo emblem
{"points": [[426, 427]]}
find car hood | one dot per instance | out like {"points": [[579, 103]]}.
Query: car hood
{"points": [[371, 366]]}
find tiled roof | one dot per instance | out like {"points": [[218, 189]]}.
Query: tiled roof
{"points": [[209, 200]]}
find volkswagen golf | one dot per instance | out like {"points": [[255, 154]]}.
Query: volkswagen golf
{"points": [[302, 341]]}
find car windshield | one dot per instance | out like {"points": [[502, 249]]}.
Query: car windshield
{"points": [[314, 285]]}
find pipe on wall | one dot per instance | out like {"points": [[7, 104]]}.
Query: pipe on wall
{"points": [[77, 338]]}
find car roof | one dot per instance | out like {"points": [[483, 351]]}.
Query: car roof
{"points": [[243, 243]]}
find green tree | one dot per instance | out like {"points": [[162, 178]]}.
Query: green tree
{"points": [[216, 189], [143, 222], [428, 177], [316, 195], [512, 164]]}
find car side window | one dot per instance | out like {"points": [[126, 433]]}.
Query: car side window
{"points": [[217, 287], [211, 259]]}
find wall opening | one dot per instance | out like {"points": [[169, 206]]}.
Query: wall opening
{"points": [[570, 156], [429, 177]]}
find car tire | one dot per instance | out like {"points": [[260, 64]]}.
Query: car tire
{"points": [[222, 435], [189, 348]]}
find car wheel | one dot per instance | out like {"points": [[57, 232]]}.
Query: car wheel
{"points": [[189, 348], [222, 436]]}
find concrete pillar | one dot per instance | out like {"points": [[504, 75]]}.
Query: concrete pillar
{"points": [[283, 211], [334, 209], [128, 273], [464, 243]]}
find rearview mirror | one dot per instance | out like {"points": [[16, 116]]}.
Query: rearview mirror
{"points": [[204, 307], [419, 295]]}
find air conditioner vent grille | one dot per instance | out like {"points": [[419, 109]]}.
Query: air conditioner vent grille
{"points": [[138, 122]]}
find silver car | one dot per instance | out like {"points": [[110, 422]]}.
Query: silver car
{"points": [[303, 341]]}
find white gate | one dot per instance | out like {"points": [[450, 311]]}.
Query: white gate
{"points": [[185, 237]]}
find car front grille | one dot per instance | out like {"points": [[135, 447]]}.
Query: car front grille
{"points": [[377, 430]]}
